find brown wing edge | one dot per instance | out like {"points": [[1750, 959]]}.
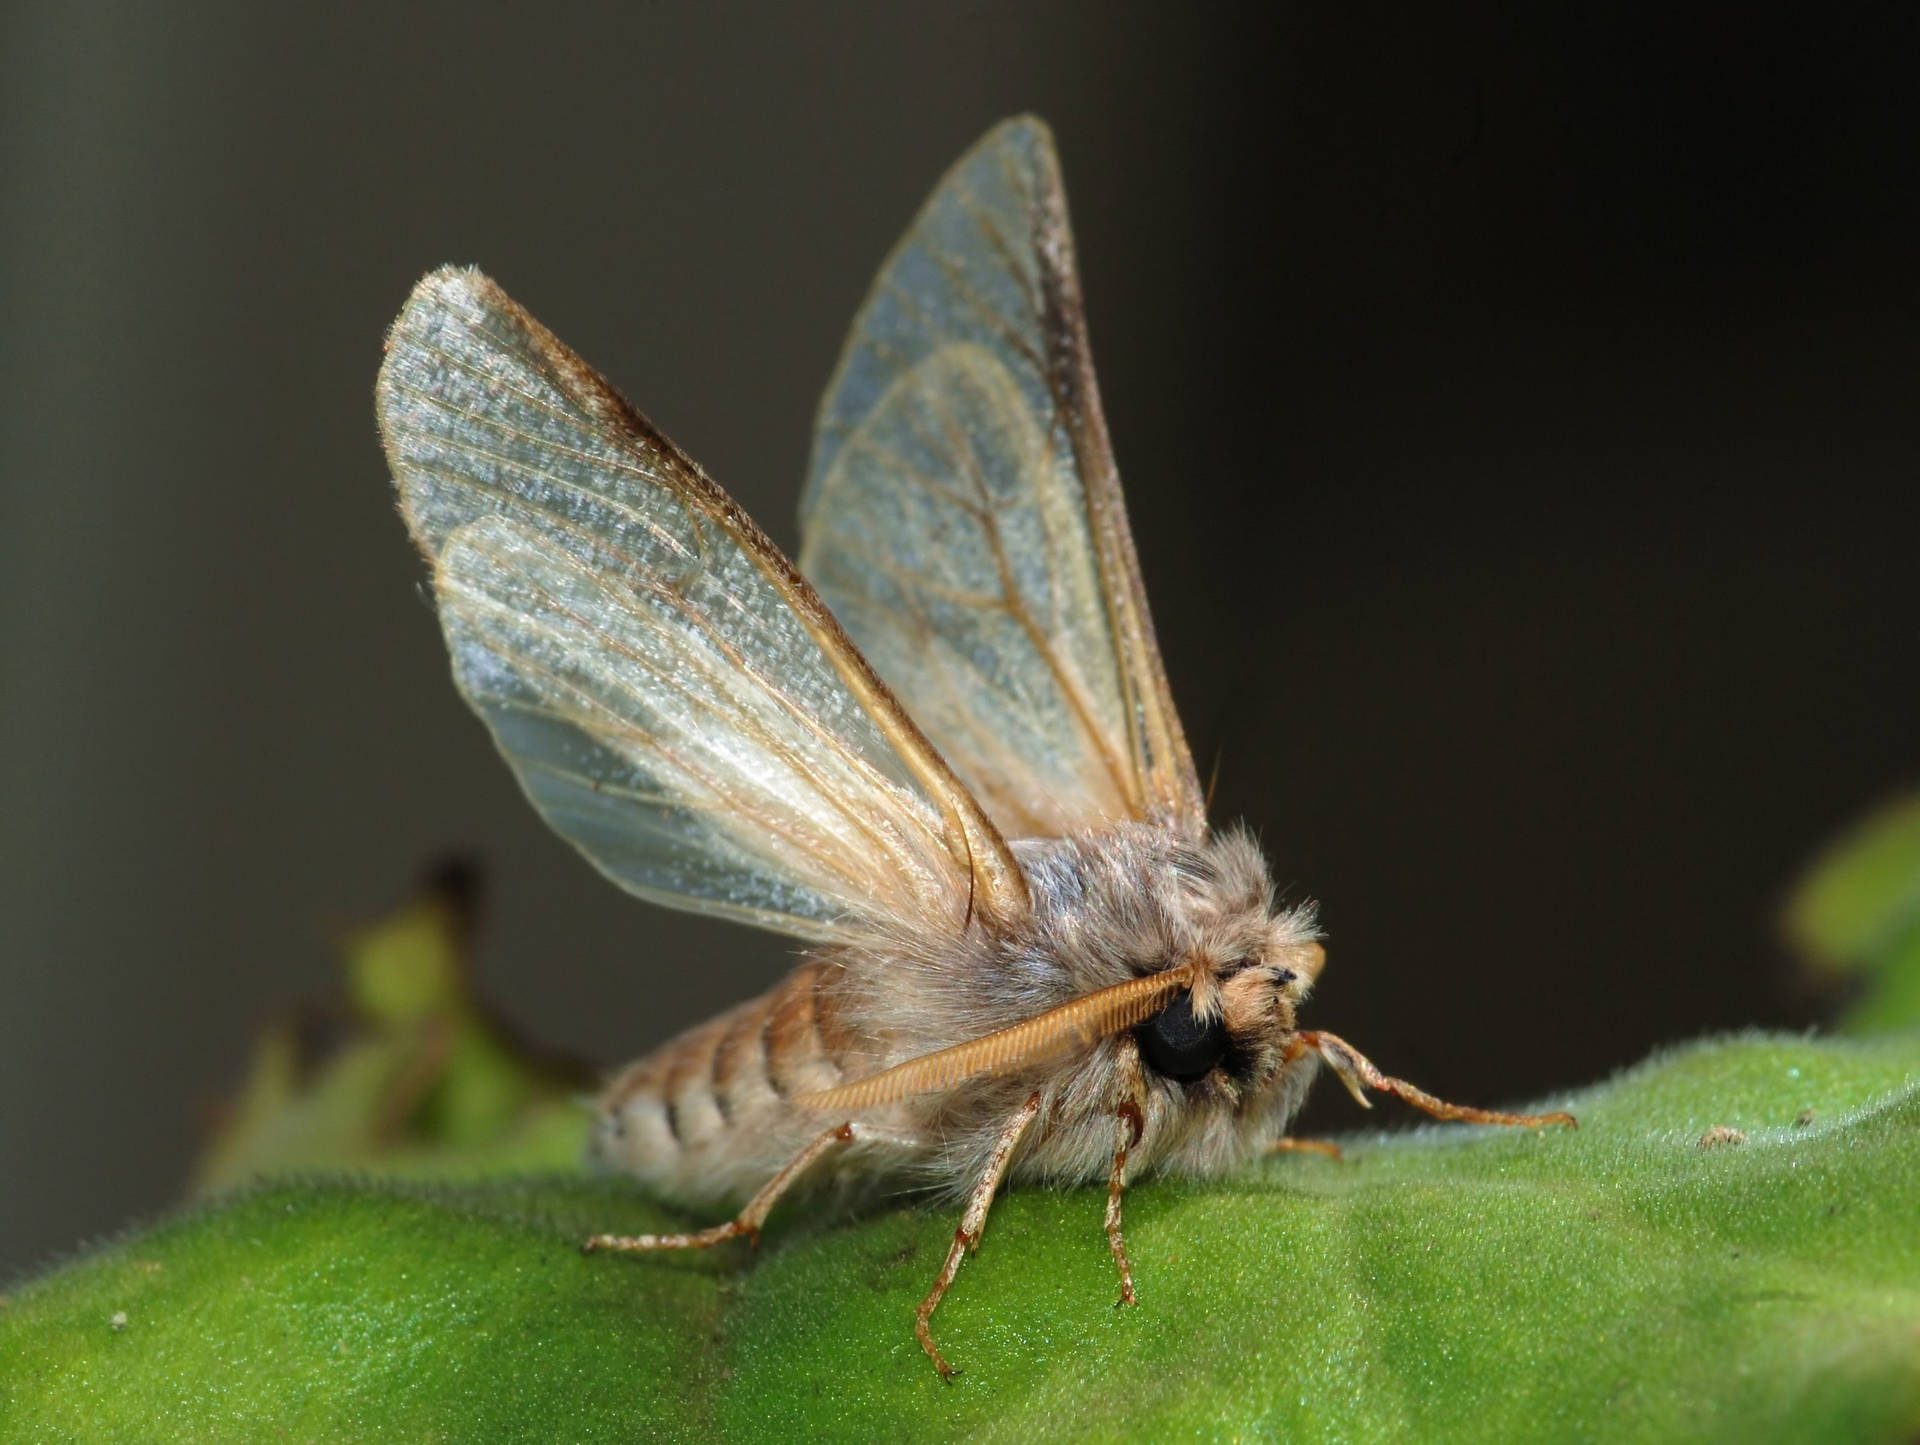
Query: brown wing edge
{"points": [[999, 888], [1165, 763]]}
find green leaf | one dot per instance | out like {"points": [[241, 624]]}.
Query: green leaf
{"points": [[1619, 1283], [1856, 916]]}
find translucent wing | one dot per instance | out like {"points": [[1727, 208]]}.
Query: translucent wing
{"points": [[673, 696], [963, 515]]}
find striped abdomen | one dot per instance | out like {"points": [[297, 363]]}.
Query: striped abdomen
{"points": [[708, 1115]]}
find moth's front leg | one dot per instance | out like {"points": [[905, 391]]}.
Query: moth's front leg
{"points": [[966, 1238], [747, 1222], [1357, 1072]]}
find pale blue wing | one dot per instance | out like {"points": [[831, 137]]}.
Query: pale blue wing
{"points": [[963, 516], [673, 697]]}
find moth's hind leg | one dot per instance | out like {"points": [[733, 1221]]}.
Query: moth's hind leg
{"points": [[747, 1222], [1357, 1072], [966, 1238]]}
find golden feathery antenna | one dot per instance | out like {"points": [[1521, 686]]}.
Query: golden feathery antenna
{"points": [[1083, 1021]]}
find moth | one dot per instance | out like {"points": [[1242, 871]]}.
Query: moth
{"points": [[941, 749]]}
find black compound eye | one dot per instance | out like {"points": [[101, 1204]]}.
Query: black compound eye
{"points": [[1175, 1043]]}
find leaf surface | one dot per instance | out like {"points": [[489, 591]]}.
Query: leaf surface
{"points": [[1619, 1283]]}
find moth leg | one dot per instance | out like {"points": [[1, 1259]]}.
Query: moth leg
{"points": [[747, 1222], [1358, 1073], [1290, 1145], [1131, 1127], [966, 1238]]}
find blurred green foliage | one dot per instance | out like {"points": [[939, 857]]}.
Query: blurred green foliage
{"points": [[1856, 916], [417, 1078]]}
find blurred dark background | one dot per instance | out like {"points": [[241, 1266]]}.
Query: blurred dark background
{"points": [[1516, 413]]}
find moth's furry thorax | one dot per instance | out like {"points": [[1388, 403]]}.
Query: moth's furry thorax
{"points": [[1108, 906]]}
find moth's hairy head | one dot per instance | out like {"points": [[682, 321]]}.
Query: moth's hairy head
{"points": [[1225, 1035]]}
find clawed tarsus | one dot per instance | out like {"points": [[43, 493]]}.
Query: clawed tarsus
{"points": [[1291, 1145]]}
